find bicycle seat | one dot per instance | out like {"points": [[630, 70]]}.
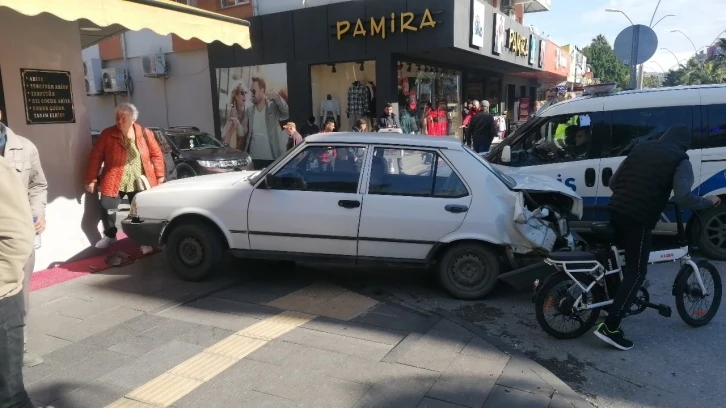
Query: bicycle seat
{"points": [[604, 231], [571, 256]]}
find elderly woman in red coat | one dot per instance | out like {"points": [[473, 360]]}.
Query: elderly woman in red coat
{"points": [[127, 152]]}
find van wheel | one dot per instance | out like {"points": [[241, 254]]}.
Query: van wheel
{"points": [[712, 236], [195, 251], [469, 271]]}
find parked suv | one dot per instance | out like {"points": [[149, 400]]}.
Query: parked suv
{"points": [[196, 152]]}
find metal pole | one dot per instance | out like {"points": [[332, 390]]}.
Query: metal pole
{"points": [[641, 76], [633, 58]]}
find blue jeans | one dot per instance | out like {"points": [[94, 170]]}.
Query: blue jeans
{"points": [[482, 145], [12, 390]]}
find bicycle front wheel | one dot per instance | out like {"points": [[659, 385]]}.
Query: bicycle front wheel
{"points": [[695, 307]]}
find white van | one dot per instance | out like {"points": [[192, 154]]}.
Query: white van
{"points": [[615, 123]]}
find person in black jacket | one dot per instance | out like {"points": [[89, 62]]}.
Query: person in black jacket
{"points": [[482, 129], [641, 188]]}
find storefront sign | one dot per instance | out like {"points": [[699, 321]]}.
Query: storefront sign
{"points": [[48, 96], [532, 49], [542, 50], [477, 24], [402, 22], [517, 43]]}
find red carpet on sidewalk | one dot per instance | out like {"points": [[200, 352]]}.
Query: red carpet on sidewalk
{"points": [[94, 263]]}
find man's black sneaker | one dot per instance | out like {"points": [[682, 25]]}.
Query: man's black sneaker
{"points": [[614, 338]]}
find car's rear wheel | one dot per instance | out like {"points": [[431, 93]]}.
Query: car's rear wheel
{"points": [[469, 270], [194, 250]]}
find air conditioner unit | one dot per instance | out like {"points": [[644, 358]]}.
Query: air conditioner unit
{"points": [[153, 65], [92, 73], [114, 80]]}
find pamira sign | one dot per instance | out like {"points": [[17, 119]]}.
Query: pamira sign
{"points": [[385, 25]]}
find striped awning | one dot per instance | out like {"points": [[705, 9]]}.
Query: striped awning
{"points": [[161, 16]]}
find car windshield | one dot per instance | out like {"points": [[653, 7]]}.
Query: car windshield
{"points": [[508, 181], [194, 141]]}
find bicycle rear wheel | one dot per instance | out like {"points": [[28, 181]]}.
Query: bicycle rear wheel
{"points": [[555, 312], [695, 307]]}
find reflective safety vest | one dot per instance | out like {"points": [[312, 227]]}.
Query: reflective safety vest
{"points": [[562, 127]]}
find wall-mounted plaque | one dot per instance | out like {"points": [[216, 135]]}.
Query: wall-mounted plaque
{"points": [[48, 96]]}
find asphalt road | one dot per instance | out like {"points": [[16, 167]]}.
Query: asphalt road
{"points": [[671, 365]]}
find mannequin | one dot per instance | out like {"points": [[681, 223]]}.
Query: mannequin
{"points": [[358, 101], [329, 108]]}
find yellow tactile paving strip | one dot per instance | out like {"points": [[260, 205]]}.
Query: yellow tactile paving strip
{"points": [[326, 300]]}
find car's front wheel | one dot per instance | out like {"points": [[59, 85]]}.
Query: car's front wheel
{"points": [[469, 270], [194, 250]]}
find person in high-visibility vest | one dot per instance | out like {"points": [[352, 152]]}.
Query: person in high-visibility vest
{"points": [[560, 132]]}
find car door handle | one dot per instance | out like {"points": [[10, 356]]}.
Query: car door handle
{"points": [[590, 177], [456, 209], [607, 173], [349, 203]]}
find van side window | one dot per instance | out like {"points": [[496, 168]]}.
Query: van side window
{"points": [[559, 139], [633, 126], [716, 125]]}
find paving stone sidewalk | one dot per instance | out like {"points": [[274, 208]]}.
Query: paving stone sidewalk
{"points": [[105, 335]]}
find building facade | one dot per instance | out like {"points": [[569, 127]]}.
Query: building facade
{"points": [[345, 61], [180, 98]]}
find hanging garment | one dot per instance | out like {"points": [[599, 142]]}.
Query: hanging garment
{"points": [[408, 122], [405, 88], [329, 109], [358, 99], [429, 116], [442, 123], [412, 100]]}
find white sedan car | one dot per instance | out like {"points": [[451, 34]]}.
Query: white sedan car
{"points": [[362, 198]]}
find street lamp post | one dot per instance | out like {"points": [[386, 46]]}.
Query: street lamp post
{"points": [[678, 62], [688, 38]]}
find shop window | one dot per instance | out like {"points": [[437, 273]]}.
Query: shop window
{"points": [[716, 125], [416, 173], [344, 93], [332, 169], [633, 126], [429, 100]]}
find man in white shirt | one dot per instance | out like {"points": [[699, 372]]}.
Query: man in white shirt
{"points": [[267, 142]]}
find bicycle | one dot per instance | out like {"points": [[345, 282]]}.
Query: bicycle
{"points": [[586, 282]]}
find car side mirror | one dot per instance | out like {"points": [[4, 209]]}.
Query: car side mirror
{"points": [[506, 154], [269, 181]]}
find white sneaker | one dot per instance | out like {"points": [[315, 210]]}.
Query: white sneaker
{"points": [[105, 242], [145, 249]]}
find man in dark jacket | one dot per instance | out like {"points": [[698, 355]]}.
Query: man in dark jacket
{"points": [[309, 128], [389, 120], [641, 188], [482, 129]]}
